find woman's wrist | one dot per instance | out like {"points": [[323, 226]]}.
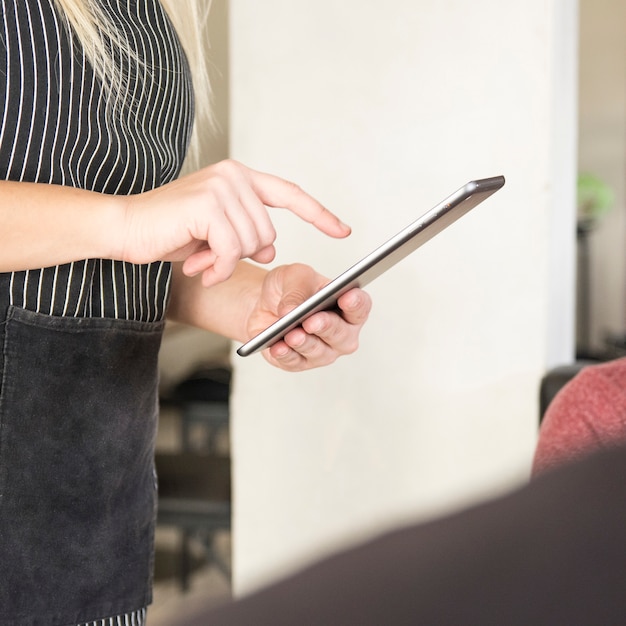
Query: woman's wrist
{"points": [[110, 219], [224, 308]]}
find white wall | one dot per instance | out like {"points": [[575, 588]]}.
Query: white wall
{"points": [[381, 110]]}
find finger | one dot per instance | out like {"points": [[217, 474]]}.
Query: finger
{"points": [[239, 221], [266, 255], [198, 262], [247, 242], [333, 331], [355, 306], [218, 273], [282, 356], [293, 298], [238, 232], [257, 213], [311, 347], [225, 243], [279, 193], [250, 221], [298, 352], [295, 283]]}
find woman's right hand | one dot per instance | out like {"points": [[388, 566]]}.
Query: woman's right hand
{"points": [[215, 217]]}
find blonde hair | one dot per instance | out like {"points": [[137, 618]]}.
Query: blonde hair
{"points": [[105, 47]]}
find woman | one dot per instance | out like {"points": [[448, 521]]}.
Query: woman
{"points": [[100, 241]]}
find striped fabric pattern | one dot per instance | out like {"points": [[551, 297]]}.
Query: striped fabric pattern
{"points": [[54, 129], [137, 618]]}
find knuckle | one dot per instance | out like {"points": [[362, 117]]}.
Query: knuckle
{"points": [[294, 188], [228, 168], [224, 267], [216, 188], [352, 346], [213, 189], [267, 237], [252, 245], [228, 255], [234, 252]]}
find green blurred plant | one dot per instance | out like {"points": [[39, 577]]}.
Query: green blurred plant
{"points": [[595, 198]]}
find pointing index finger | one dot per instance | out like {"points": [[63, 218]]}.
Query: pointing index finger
{"points": [[279, 193]]}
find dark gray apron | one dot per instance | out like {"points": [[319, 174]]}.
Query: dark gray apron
{"points": [[78, 414]]}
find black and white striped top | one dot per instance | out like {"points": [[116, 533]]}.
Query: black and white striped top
{"points": [[54, 128]]}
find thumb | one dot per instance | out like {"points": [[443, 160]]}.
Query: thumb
{"points": [[297, 283]]}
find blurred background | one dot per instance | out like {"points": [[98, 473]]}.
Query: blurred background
{"points": [[381, 111]]}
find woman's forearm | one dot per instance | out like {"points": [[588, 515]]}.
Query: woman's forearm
{"points": [[223, 308], [43, 225]]}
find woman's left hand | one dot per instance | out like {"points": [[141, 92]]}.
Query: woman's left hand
{"points": [[324, 336]]}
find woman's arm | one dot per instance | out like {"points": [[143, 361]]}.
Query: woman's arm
{"points": [[223, 308], [209, 220], [205, 222], [44, 225]]}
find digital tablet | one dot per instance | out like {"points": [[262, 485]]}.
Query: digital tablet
{"points": [[380, 260]]}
